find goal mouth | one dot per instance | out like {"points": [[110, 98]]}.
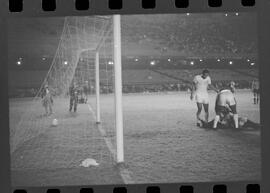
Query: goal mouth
{"points": [[87, 59]]}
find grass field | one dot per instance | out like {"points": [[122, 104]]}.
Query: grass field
{"points": [[162, 143]]}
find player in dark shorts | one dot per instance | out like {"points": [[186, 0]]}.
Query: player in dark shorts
{"points": [[255, 86]]}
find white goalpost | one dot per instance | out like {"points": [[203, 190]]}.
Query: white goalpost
{"points": [[118, 88]]}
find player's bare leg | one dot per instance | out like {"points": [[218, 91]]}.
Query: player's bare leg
{"points": [[75, 104], [258, 98], [235, 115], [46, 109], [50, 109], [216, 120], [254, 98], [70, 104], [199, 105], [206, 107], [236, 123]]}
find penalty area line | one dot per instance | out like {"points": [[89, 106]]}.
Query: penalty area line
{"points": [[125, 173]]}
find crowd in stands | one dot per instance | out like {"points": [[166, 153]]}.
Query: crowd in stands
{"points": [[200, 36]]}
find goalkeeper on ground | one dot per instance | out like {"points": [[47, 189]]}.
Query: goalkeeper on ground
{"points": [[226, 114], [73, 93]]}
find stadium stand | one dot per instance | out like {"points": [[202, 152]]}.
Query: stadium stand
{"points": [[26, 83]]}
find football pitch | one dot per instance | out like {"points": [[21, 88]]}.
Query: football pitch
{"points": [[162, 143]]}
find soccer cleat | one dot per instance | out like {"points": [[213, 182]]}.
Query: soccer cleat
{"points": [[199, 124]]}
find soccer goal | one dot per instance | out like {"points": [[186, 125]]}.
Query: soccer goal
{"points": [[88, 53]]}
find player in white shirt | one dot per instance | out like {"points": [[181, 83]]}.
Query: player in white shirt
{"points": [[199, 91]]}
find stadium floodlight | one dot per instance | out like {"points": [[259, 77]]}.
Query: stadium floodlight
{"points": [[152, 63], [230, 62]]}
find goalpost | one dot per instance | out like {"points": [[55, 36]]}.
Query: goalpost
{"points": [[118, 88]]}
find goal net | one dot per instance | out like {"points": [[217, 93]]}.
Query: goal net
{"points": [[84, 43]]}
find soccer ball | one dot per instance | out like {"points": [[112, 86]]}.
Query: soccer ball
{"points": [[54, 122]]}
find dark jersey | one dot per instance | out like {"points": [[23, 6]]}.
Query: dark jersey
{"points": [[73, 92]]}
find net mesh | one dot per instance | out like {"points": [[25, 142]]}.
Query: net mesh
{"points": [[77, 136]]}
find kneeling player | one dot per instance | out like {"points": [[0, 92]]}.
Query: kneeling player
{"points": [[225, 99]]}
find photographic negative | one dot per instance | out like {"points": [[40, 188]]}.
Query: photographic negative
{"points": [[134, 99]]}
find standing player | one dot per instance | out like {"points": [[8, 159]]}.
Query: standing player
{"points": [[73, 93], [47, 100], [199, 90], [255, 86]]}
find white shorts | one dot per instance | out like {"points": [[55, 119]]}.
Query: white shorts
{"points": [[202, 98], [226, 97]]}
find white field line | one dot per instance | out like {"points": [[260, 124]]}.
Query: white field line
{"points": [[103, 133], [125, 173]]}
